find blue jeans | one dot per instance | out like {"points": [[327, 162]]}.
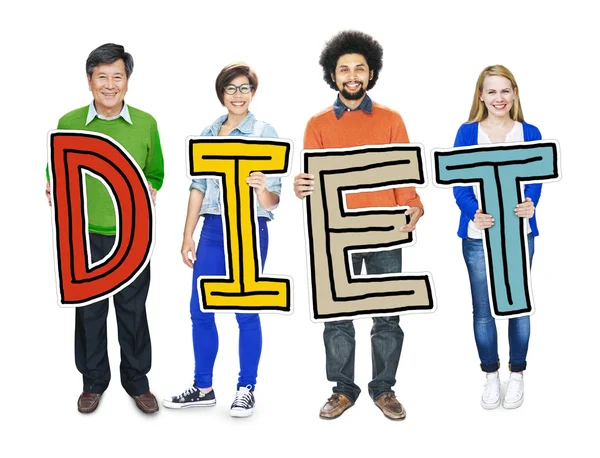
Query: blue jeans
{"points": [[386, 338], [484, 324], [210, 260]]}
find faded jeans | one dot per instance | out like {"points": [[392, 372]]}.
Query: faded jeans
{"points": [[484, 324], [386, 337]]}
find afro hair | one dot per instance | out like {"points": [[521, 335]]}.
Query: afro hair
{"points": [[351, 42]]}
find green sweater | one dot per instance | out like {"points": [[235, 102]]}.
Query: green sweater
{"points": [[141, 141]]}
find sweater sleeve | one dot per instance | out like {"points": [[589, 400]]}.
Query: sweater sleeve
{"points": [[533, 190], [60, 126], [408, 196], [404, 196], [312, 137], [464, 195], [154, 167], [399, 134]]}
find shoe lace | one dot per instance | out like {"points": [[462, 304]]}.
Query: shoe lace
{"points": [[490, 387], [243, 398], [190, 390], [514, 388]]}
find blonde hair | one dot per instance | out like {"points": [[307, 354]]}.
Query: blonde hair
{"points": [[478, 109]]}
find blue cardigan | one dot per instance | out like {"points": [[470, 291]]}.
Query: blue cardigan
{"points": [[465, 196]]}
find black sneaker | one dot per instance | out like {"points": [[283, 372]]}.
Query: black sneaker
{"points": [[243, 404], [192, 397]]}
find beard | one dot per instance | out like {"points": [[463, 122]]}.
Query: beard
{"points": [[353, 95]]}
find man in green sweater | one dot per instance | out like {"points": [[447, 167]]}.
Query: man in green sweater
{"points": [[108, 70]]}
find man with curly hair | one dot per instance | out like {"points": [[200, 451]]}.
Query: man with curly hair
{"points": [[351, 63]]}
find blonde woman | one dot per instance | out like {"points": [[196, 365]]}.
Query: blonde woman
{"points": [[496, 117]]}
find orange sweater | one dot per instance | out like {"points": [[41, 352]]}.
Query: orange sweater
{"points": [[357, 128]]}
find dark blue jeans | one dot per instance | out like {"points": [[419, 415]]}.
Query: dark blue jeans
{"points": [[484, 323], [210, 260], [386, 337]]}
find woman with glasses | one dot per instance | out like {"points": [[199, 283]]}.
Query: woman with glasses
{"points": [[235, 86], [496, 117]]}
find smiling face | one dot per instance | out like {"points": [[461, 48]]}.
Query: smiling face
{"points": [[352, 76], [108, 84], [498, 95], [238, 103]]}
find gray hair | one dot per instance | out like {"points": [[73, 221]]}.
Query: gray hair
{"points": [[108, 54]]}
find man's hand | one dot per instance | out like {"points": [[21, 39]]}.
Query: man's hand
{"points": [[483, 220], [525, 209], [303, 185], [48, 193], [258, 181], [152, 192], [188, 247], [415, 214]]}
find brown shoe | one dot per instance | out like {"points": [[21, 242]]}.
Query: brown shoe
{"points": [[335, 406], [391, 407], [88, 402], [146, 402]]}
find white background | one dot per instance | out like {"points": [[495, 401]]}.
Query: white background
{"points": [[433, 53]]}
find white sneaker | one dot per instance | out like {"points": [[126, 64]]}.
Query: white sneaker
{"points": [[515, 391], [490, 399], [243, 404]]}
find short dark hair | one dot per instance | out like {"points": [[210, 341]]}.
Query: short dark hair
{"points": [[229, 73], [351, 42], [108, 54]]}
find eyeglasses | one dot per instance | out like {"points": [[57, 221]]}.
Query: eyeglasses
{"points": [[244, 89]]}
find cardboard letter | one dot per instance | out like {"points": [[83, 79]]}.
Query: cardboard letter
{"points": [[334, 232], [232, 159], [499, 172], [73, 155]]}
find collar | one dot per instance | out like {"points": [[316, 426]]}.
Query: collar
{"points": [[92, 113], [245, 127], [338, 106]]}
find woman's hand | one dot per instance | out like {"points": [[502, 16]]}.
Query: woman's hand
{"points": [[188, 247], [525, 209], [483, 220], [258, 181]]}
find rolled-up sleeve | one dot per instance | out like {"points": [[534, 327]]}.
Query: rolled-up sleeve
{"points": [[199, 184], [274, 185]]}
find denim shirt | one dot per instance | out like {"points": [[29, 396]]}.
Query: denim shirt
{"points": [[210, 187], [339, 108]]}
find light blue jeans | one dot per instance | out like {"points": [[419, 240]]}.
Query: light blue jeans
{"points": [[484, 323]]}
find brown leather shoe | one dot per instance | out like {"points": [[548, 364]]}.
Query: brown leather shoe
{"points": [[146, 402], [335, 406], [391, 407], [88, 402]]}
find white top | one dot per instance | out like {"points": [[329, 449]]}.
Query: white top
{"points": [[515, 135], [92, 113]]}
